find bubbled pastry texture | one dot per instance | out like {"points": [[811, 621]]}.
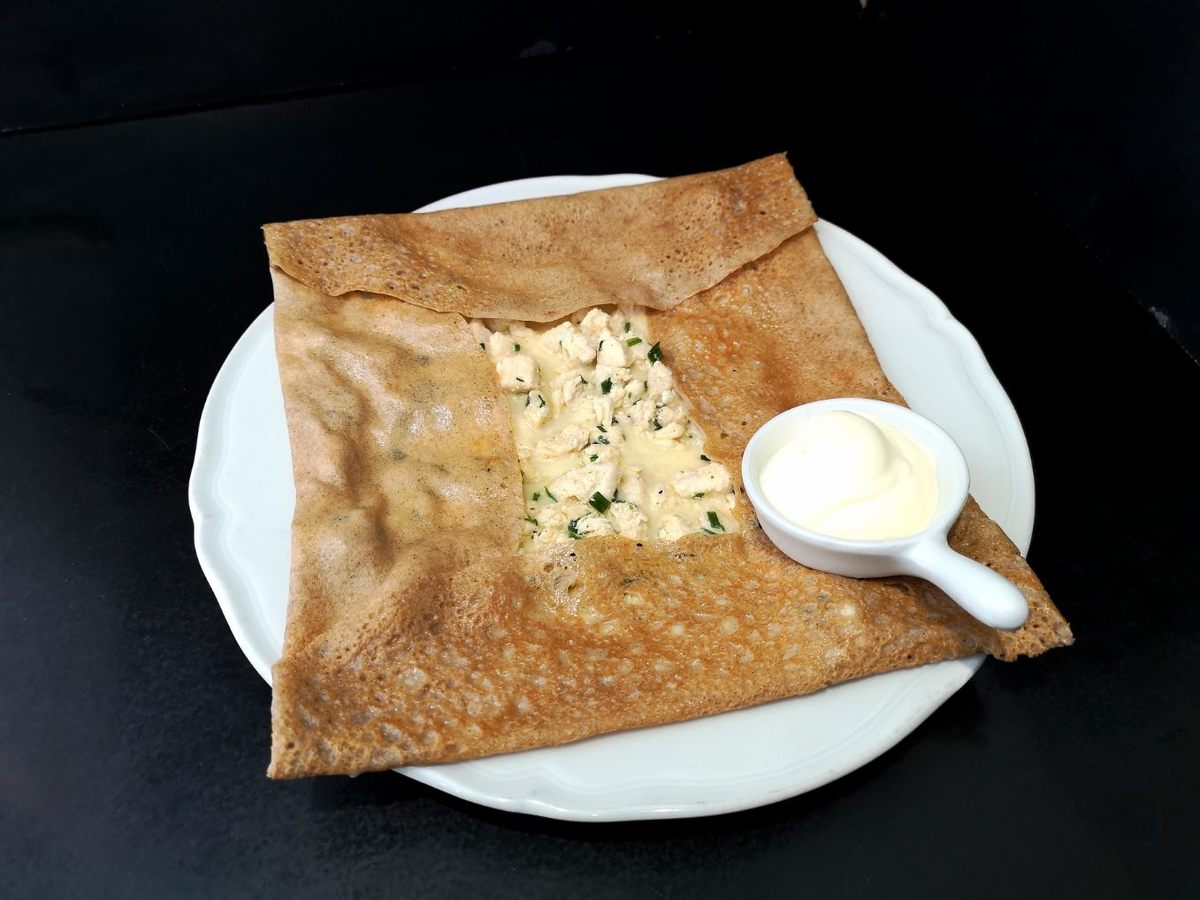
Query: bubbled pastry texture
{"points": [[653, 245], [416, 632]]}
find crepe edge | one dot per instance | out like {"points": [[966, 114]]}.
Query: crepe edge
{"points": [[323, 253]]}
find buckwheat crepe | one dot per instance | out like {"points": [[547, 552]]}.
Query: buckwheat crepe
{"points": [[418, 631]]}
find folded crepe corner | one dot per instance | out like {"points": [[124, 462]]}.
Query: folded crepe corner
{"points": [[416, 632]]}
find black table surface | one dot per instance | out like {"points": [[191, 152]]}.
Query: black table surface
{"points": [[134, 734]]}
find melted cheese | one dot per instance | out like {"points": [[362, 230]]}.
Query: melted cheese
{"points": [[604, 438]]}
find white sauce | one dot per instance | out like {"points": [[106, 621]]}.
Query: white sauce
{"points": [[852, 476]]}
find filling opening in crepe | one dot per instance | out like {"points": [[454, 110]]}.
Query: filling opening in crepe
{"points": [[604, 437]]}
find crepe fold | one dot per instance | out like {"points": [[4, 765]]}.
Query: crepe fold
{"points": [[417, 632]]}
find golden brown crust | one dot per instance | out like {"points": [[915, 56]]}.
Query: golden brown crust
{"points": [[654, 245], [417, 633]]}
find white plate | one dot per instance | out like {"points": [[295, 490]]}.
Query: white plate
{"points": [[242, 497]]}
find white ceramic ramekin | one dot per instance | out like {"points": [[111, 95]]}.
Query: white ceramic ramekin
{"points": [[984, 594]]}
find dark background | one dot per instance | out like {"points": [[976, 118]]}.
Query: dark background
{"points": [[1033, 164], [1093, 107]]}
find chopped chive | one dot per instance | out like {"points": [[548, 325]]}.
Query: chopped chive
{"points": [[599, 502], [600, 440], [522, 380], [593, 457], [517, 348], [627, 324], [571, 529], [630, 342], [705, 458], [655, 353], [531, 520], [614, 421], [483, 347], [698, 496], [537, 495], [606, 385], [714, 521], [584, 380], [526, 399], [601, 428], [601, 346], [550, 495], [657, 424]]}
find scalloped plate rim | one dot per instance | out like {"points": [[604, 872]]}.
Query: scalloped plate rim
{"points": [[539, 789]]}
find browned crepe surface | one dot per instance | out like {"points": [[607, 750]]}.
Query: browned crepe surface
{"points": [[654, 245], [418, 633]]}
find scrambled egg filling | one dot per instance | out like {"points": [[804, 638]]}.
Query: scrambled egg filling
{"points": [[604, 438]]}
